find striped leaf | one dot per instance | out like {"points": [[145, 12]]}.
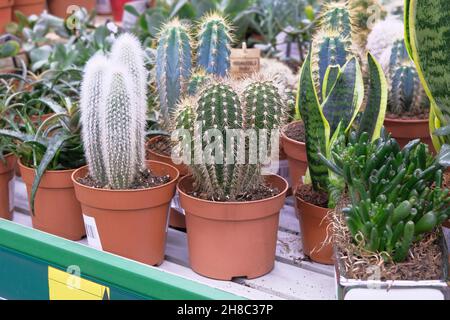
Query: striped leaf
{"points": [[345, 99], [373, 116], [317, 127]]}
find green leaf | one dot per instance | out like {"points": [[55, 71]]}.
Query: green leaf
{"points": [[406, 26], [373, 116], [329, 80], [54, 146], [317, 127], [131, 9], [444, 156], [345, 99], [9, 49]]}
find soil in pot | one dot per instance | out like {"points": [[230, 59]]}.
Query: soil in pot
{"points": [[159, 148], [56, 209], [5, 13], [60, 8], [130, 223], [232, 239], [29, 7], [293, 141], [314, 225], [6, 186], [408, 126]]}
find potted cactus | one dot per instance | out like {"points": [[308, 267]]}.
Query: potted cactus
{"points": [[119, 190], [388, 229], [231, 210], [176, 77]]}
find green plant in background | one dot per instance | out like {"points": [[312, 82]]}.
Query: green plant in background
{"points": [[220, 107], [214, 45], [426, 39], [173, 65], [112, 106], [9, 48], [396, 196], [406, 94]]}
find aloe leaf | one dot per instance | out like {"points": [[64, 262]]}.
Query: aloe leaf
{"points": [[16, 135], [345, 100], [317, 127], [53, 148], [429, 37], [373, 116]]}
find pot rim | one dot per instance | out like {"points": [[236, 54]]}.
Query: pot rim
{"points": [[19, 161], [233, 203], [153, 151], [410, 121], [313, 205], [285, 137], [172, 180]]}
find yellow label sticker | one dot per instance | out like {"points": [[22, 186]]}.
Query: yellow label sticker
{"points": [[66, 286]]}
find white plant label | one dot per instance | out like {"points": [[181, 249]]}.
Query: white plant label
{"points": [[176, 204], [11, 194], [92, 232]]}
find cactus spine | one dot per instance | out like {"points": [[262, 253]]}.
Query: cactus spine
{"points": [[92, 95], [214, 45], [128, 51], [112, 106], [173, 65]]}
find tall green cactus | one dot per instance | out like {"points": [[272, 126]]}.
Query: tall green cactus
{"points": [[197, 80], [173, 65], [113, 102], [337, 16], [214, 41]]}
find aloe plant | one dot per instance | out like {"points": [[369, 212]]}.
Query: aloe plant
{"points": [[426, 38], [396, 195]]}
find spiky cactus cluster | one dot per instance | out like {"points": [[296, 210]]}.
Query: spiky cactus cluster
{"points": [[406, 93], [113, 110], [173, 64], [214, 45], [220, 107]]}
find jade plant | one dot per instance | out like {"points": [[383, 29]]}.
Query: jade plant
{"points": [[113, 108], [396, 195], [218, 108], [426, 41]]}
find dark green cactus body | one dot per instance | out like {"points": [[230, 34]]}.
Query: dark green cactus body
{"points": [[337, 17], [219, 109], [214, 45], [173, 65]]}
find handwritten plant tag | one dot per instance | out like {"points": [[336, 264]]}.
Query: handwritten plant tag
{"points": [[244, 62]]}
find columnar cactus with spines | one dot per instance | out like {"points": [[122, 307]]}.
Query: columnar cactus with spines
{"points": [[113, 103], [119, 127], [406, 93], [92, 95], [337, 17], [198, 79], [128, 51], [214, 45], [173, 65]]}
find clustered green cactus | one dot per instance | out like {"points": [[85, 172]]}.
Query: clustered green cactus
{"points": [[113, 109], [406, 93], [220, 107], [396, 195], [174, 62]]}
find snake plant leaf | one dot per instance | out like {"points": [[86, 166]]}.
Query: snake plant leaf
{"points": [[429, 37], [317, 127], [344, 101], [53, 148], [406, 26], [331, 75], [373, 116], [435, 124], [443, 157]]}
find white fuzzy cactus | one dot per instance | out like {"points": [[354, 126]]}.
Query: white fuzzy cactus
{"points": [[127, 50], [113, 107]]}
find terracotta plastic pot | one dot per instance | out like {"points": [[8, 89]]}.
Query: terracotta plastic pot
{"points": [[130, 223], [176, 217], [56, 209], [29, 7], [296, 156], [313, 226], [5, 13], [406, 130], [60, 8], [232, 239], [6, 192]]}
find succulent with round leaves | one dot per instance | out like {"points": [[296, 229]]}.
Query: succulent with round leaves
{"points": [[113, 103], [214, 42], [173, 65], [396, 195]]}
